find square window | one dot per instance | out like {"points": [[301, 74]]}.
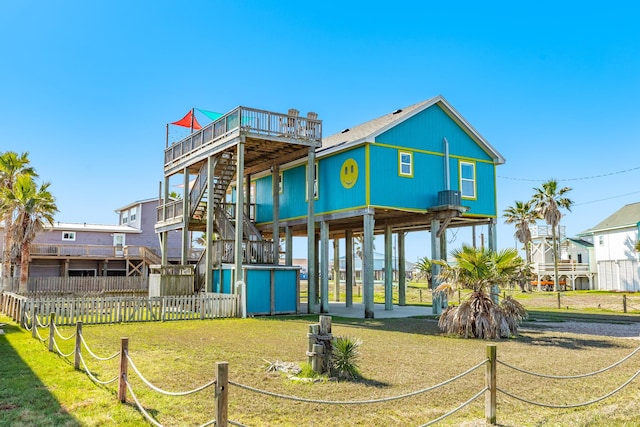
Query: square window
{"points": [[69, 235]]}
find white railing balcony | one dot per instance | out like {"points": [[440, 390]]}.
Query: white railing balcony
{"points": [[545, 231]]}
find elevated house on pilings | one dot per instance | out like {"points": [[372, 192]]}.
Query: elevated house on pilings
{"points": [[423, 167], [216, 165]]}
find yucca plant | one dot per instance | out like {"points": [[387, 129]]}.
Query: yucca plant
{"points": [[344, 358]]}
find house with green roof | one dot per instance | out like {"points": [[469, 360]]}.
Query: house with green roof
{"points": [[614, 240]]}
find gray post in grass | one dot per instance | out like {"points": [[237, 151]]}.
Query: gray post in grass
{"points": [[490, 379], [52, 330], [76, 358]]}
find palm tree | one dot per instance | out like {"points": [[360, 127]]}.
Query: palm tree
{"points": [[12, 165], [522, 214], [424, 269], [548, 200], [479, 316], [34, 207]]}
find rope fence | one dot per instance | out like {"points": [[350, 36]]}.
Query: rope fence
{"points": [[221, 382]]}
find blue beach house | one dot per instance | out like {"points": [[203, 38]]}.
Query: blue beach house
{"points": [[423, 167]]}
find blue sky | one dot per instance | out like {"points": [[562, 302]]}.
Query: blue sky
{"points": [[87, 87]]}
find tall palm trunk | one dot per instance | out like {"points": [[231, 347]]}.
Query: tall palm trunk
{"points": [[24, 268], [6, 251], [556, 288]]}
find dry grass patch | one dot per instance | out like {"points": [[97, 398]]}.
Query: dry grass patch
{"points": [[397, 356]]}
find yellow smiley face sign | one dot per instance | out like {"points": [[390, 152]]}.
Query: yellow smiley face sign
{"points": [[349, 173]]}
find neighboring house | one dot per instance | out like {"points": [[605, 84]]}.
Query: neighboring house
{"points": [[84, 249], [576, 265], [613, 241]]}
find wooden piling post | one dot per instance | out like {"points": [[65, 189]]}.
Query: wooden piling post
{"points": [[314, 330], [624, 303], [52, 330], [222, 394], [490, 379], [122, 382], [76, 358], [558, 299], [325, 325], [316, 362]]}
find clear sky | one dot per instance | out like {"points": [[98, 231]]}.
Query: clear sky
{"points": [[87, 87]]}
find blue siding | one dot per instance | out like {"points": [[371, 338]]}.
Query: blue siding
{"points": [[393, 190], [422, 135], [425, 131], [285, 291], [258, 291], [333, 196]]}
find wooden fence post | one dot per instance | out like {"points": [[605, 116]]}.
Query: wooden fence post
{"points": [[122, 383], [222, 394], [490, 378], [52, 330], [314, 331], [76, 358], [558, 299], [316, 362], [624, 303]]}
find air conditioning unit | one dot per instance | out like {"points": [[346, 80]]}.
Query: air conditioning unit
{"points": [[449, 197]]}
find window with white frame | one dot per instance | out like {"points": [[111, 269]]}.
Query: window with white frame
{"points": [[125, 217], [468, 180], [601, 240], [69, 235], [405, 163], [132, 213]]}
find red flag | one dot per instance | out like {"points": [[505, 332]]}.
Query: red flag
{"points": [[188, 121]]}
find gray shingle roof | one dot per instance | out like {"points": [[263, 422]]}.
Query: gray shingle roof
{"points": [[369, 130], [627, 216]]}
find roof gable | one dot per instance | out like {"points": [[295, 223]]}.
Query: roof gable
{"points": [[626, 217], [368, 131]]}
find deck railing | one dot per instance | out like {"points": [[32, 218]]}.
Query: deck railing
{"points": [[254, 252], [81, 285], [546, 231], [172, 210], [260, 122], [96, 251], [562, 267]]}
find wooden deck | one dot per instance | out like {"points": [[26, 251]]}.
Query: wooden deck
{"points": [[267, 136]]}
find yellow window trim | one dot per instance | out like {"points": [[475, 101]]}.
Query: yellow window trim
{"points": [[474, 180], [410, 154]]}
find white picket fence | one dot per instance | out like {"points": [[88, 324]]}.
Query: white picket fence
{"points": [[122, 309]]}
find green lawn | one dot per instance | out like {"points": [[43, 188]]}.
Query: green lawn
{"points": [[398, 356]]}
